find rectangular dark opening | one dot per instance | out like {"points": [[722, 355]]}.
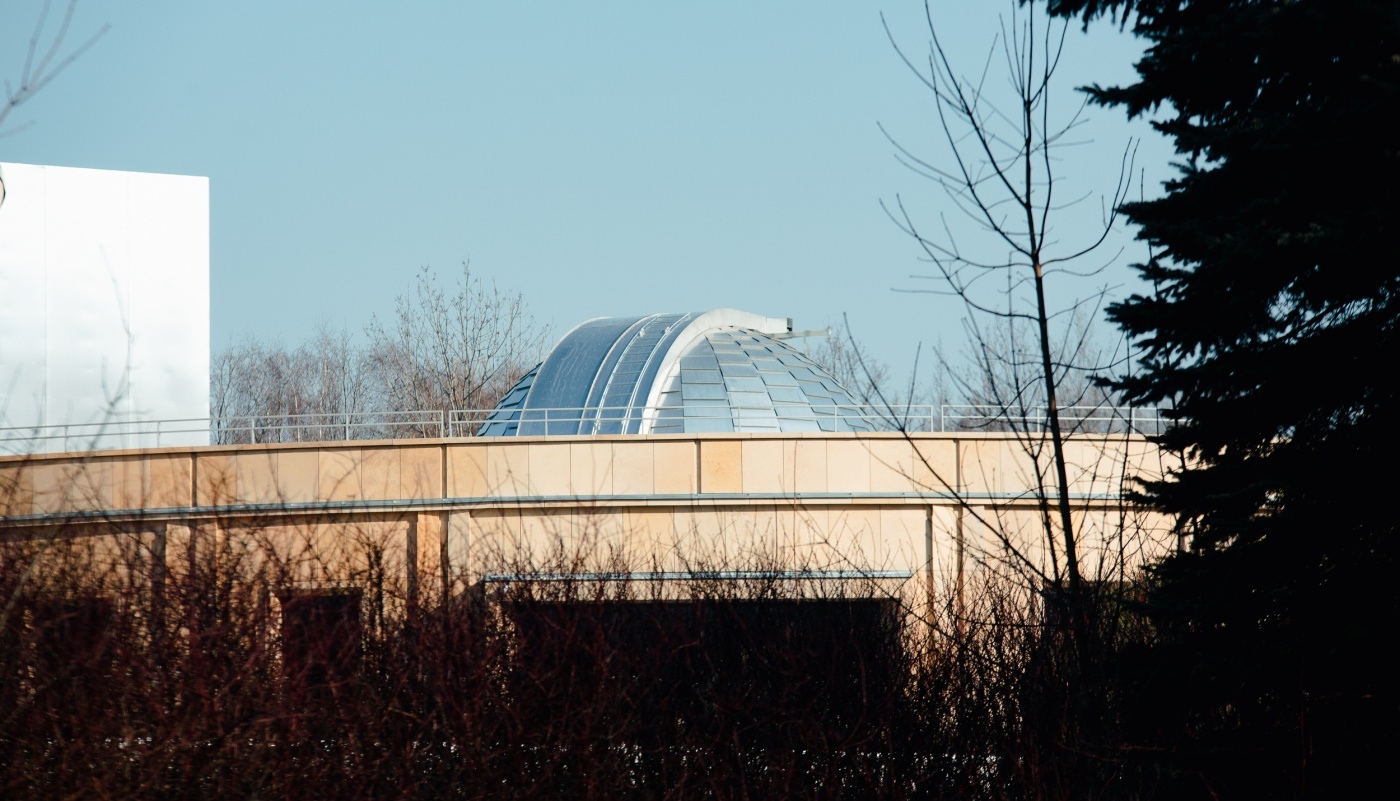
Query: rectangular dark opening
{"points": [[59, 651], [1111, 604], [783, 673], [321, 635], [72, 634]]}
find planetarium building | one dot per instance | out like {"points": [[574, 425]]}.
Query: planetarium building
{"points": [[716, 372]]}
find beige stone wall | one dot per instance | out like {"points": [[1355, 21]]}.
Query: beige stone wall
{"points": [[930, 505]]}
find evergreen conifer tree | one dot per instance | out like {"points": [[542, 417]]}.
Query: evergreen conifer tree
{"points": [[1273, 327]]}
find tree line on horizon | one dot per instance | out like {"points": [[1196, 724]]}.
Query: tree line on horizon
{"points": [[457, 347]]}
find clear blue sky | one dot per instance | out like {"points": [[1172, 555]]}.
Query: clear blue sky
{"points": [[600, 158]]}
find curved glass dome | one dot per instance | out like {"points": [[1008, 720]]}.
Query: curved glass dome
{"points": [[712, 372]]}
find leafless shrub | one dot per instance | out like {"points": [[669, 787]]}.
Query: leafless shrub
{"points": [[238, 667]]}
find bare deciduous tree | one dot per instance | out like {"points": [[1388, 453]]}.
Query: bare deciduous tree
{"points": [[996, 375], [462, 350], [1000, 176], [256, 381], [441, 351], [853, 367], [907, 405]]}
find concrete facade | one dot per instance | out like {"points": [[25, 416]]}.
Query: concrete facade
{"points": [[918, 511]]}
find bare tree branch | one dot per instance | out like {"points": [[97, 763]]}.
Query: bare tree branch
{"points": [[997, 169], [35, 75]]}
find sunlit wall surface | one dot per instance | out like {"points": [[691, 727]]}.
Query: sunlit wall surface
{"points": [[104, 304]]}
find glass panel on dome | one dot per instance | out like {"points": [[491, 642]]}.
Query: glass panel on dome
{"points": [[755, 412], [750, 400], [708, 426], [703, 391], [741, 369], [782, 379], [744, 384], [786, 394], [702, 376], [802, 409], [704, 407]]}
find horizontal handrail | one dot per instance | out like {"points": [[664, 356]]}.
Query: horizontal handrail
{"points": [[913, 417], [119, 432]]}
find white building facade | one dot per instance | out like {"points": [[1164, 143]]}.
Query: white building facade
{"points": [[104, 307]]}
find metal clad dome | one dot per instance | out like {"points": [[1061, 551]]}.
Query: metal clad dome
{"points": [[719, 371]]}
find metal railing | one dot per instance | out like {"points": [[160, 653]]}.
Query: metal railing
{"points": [[917, 418], [1086, 419], [254, 429], [331, 427], [232, 430]]}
